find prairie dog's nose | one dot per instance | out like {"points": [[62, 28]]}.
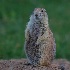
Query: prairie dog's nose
{"points": [[36, 15]]}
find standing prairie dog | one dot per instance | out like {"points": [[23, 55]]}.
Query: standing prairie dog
{"points": [[40, 45]]}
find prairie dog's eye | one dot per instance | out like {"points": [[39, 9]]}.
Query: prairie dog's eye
{"points": [[41, 10]]}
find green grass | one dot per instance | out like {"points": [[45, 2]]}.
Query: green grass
{"points": [[14, 14]]}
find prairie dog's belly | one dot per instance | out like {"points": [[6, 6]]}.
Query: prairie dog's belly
{"points": [[32, 49]]}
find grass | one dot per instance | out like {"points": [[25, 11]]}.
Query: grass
{"points": [[14, 14]]}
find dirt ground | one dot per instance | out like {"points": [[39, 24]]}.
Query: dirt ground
{"points": [[22, 64]]}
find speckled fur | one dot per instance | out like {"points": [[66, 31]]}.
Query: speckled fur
{"points": [[40, 45]]}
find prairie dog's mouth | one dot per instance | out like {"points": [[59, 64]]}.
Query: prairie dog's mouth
{"points": [[39, 16]]}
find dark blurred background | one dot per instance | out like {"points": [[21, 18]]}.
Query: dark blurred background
{"points": [[14, 14]]}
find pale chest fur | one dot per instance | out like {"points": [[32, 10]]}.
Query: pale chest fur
{"points": [[38, 29]]}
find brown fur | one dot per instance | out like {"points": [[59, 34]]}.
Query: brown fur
{"points": [[40, 45]]}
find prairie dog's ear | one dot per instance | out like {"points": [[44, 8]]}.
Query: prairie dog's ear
{"points": [[44, 9]]}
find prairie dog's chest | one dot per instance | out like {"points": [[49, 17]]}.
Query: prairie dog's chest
{"points": [[37, 29]]}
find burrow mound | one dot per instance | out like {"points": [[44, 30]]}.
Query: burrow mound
{"points": [[22, 64]]}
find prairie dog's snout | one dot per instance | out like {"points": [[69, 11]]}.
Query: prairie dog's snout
{"points": [[36, 15]]}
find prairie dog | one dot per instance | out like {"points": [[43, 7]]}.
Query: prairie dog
{"points": [[40, 45]]}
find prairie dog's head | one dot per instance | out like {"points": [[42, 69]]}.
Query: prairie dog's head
{"points": [[39, 14]]}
